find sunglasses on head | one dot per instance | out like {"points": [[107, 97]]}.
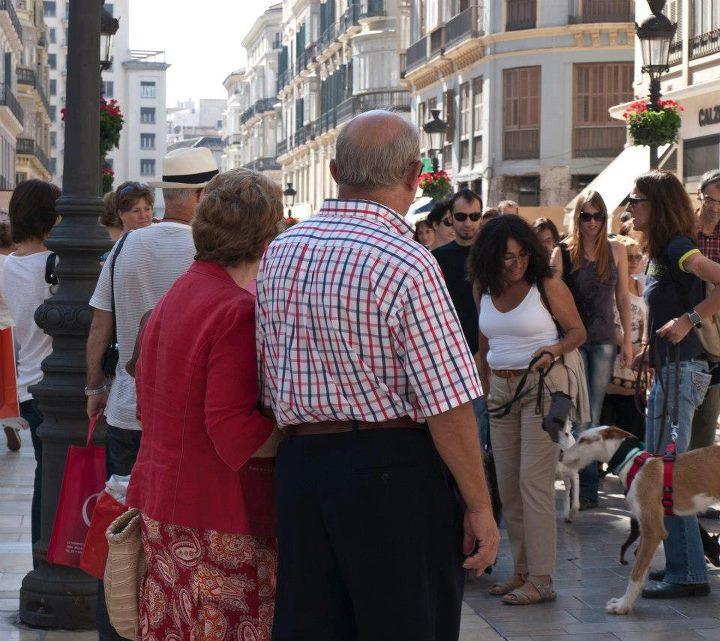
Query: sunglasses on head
{"points": [[134, 187], [474, 216], [632, 201], [447, 222], [586, 216]]}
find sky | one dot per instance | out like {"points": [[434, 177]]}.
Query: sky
{"points": [[201, 39]]}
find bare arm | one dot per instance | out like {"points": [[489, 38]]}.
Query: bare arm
{"points": [[556, 262], [98, 339], [622, 300], [481, 356]]}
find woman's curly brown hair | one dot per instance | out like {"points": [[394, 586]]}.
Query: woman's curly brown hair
{"points": [[237, 217]]}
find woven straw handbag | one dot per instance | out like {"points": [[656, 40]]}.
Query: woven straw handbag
{"points": [[125, 569]]}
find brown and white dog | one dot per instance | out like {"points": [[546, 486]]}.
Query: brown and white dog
{"points": [[696, 486], [569, 476]]}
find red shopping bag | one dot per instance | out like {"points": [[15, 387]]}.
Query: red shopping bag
{"points": [[95, 551], [9, 407], [83, 481]]}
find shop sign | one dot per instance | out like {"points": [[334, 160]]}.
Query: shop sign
{"points": [[709, 116]]}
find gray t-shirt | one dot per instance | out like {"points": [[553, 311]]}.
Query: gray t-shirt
{"points": [[150, 261]]}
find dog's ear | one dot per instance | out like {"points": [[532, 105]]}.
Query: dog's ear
{"points": [[612, 432]]}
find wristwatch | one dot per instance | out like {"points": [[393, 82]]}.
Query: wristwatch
{"points": [[695, 319]]}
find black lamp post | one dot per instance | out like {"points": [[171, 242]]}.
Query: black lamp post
{"points": [[289, 196], [655, 34], [54, 596], [436, 130], [108, 28]]}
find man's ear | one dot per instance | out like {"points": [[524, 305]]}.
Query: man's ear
{"points": [[412, 173], [333, 170]]}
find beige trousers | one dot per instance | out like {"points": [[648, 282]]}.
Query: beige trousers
{"points": [[525, 460]]}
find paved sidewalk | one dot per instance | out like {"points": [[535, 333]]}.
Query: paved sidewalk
{"points": [[589, 573]]}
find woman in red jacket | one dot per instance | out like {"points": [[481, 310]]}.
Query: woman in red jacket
{"points": [[202, 479]]}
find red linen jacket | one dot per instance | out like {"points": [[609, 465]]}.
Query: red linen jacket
{"points": [[197, 397]]}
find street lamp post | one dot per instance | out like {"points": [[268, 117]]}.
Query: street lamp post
{"points": [[108, 28], [55, 596], [655, 34], [436, 130], [289, 197]]}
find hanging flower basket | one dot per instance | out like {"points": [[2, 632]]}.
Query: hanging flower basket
{"points": [[435, 185], [658, 126], [111, 124]]}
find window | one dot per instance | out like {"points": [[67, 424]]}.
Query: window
{"points": [[529, 191], [700, 155], [147, 115], [705, 16], [521, 113], [147, 167], [53, 165], [465, 124], [147, 89], [521, 14], [53, 87], [53, 113], [108, 88], [477, 96], [50, 8], [52, 60], [53, 35], [596, 88], [578, 182], [53, 139], [110, 8], [147, 141], [477, 186]]}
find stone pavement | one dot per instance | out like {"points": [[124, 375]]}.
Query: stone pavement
{"points": [[588, 574]]}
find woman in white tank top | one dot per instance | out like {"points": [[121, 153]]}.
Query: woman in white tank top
{"points": [[508, 265]]}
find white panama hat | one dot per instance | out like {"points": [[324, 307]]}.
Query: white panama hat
{"points": [[190, 168]]}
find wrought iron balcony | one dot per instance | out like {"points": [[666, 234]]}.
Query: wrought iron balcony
{"points": [[260, 106], [26, 76], [416, 54], [284, 78], [584, 12], [305, 58], [282, 147], [705, 44], [268, 163], [7, 5], [437, 42], [327, 38], [28, 147], [8, 99], [235, 139], [349, 18], [466, 24], [675, 52]]}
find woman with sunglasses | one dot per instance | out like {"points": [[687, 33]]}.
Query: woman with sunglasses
{"points": [[510, 271], [596, 271], [129, 207], [674, 293], [619, 407], [441, 221]]}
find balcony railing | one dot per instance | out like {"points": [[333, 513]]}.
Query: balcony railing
{"points": [[305, 58], [604, 141], [8, 99], [29, 147], [437, 41], [7, 5], [521, 14], [235, 139], [519, 144], [705, 44], [590, 11], [675, 52], [466, 24], [372, 9], [26, 76], [261, 106], [268, 163], [284, 78], [416, 54], [349, 18], [43, 98], [282, 147]]}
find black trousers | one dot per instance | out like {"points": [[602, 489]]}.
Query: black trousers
{"points": [[121, 450], [30, 411], [370, 539], [620, 410]]}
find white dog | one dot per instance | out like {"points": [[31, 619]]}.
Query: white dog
{"points": [[569, 476]]}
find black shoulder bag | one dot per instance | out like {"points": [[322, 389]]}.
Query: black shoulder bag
{"points": [[112, 353]]}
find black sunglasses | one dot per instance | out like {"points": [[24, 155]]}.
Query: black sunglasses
{"points": [[461, 218], [586, 216], [134, 187], [447, 222], [632, 201]]}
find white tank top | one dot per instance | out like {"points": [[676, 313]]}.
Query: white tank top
{"points": [[516, 335]]}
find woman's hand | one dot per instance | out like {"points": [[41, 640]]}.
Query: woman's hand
{"points": [[546, 359], [641, 358], [676, 329], [626, 353]]}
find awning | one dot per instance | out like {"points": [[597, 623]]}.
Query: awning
{"points": [[419, 209], [616, 181]]}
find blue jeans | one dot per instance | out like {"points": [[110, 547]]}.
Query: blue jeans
{"points": [[30, 411], [684, 557], [599, 360]]}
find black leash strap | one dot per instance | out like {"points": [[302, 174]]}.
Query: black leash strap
{"points": [[520, 390], [666, 389]]}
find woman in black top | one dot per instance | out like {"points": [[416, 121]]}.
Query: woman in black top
{"points": [[674, 294]]}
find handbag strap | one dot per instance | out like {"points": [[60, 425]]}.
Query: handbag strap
{"points": [[50, 275], [91, 429], [120, 244], [546, 301]]}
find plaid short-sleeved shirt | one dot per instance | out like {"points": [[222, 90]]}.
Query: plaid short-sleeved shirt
{"points": [[709, 245], [354, 321]]}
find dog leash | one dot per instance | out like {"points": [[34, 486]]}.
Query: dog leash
{"points": [[670, 453], [520, 392]]}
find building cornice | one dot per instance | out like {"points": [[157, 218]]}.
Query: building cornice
{"points": [[271, 18]]}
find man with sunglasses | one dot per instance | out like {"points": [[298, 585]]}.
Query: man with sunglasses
{"points": [[466, 210]]}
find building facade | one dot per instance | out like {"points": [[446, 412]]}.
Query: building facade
{"points": [[136, 80], [187, 120], [525, 87], [251, 117], [33, 83], [12, 115]]}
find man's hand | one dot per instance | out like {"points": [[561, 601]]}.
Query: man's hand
{"points": [[480, 527], [96, 404], [676, 329]]}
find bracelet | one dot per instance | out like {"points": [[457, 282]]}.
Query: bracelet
{"points": [[95, 392]]}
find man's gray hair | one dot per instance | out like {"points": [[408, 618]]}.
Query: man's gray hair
{"points": [[366, 162], [178, 195]]}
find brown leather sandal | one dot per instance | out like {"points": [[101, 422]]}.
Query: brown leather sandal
{"points": [[502, 588], [530, 593]]}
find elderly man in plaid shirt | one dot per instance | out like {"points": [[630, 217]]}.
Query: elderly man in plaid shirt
{"points": [[381, 494]]}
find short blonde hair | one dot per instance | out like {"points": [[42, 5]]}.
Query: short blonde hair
{"points": [[236, 218]]}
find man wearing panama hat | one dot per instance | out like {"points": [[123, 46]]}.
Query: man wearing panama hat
{"points": [[141, 267]]}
